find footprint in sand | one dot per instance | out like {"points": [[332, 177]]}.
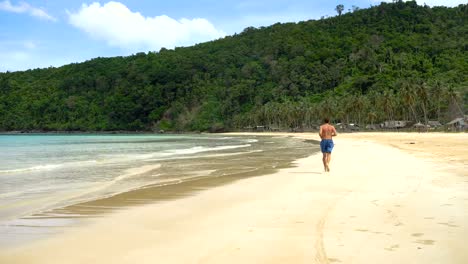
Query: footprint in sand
{"points": [[448, 224], [361, 230], [392, 247], [425, 241], [417, 234]]}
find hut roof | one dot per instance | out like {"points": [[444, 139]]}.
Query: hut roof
{"points": [[418, 124], [456, 120], [434, 123]]}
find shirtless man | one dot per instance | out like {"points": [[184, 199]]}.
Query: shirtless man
{"points": [[326, 133]]}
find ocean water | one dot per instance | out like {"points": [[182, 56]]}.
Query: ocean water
{"points": [[43, 172]]}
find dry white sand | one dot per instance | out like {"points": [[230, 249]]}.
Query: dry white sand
{"points": [[379, 204]]}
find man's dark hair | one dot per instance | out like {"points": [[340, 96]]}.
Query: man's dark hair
{"points": [[326, 120]]}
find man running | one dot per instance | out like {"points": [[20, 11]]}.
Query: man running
{"points": [[326, 133]]}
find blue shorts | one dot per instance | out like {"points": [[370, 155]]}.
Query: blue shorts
{"points": [[326, 145]]}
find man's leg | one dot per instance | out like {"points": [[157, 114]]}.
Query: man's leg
{"points": [[328, 161], [324, 159]]}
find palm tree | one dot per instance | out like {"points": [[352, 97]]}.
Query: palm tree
{"points": [[388, 103], [359, 106], [454, 98], [339, 9], [436, 94], [326, 107], [346, 107], [373, 98], [311, 114], [276, 114], [408, 96], [371, 116], [422, 96]]}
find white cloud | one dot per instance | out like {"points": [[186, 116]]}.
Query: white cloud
{"points": [[120, 27], [24, 7]]}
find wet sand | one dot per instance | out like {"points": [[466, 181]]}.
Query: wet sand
{"points": [[385, 201], [177, 179]]}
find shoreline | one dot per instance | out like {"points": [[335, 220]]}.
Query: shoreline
{"points": [[385, 205], [59, 219], [116, 132]]}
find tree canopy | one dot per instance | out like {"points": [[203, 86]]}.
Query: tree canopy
{"points": [[391, 61]]}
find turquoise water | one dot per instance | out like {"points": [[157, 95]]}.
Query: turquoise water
{"points": [[43, 172]]}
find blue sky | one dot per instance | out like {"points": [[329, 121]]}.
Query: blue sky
{"points": [[43, 33]]}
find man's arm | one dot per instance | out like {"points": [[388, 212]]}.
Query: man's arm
{"points": [[320, 132], [334, 134]]}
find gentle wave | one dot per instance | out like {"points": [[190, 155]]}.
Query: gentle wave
{"points": [[50, 166], [217, 155], [128, 173], [104, 189], [232, 154], [61, 199], [34, 168], [136, 171], [116, 159], [171, 154], [131, 172], [195, 150]]}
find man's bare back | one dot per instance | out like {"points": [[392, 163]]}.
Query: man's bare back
{"points": [[327, 131]]}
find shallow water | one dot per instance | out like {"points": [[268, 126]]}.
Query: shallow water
{"points": [[52, 180]]}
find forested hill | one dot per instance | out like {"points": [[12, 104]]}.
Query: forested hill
{"points": [[392, 61]]}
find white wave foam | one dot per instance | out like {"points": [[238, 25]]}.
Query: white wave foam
{"points": [[11, 194], [50, 166], [170, 153], [136, 171], [128, 173], [34, 168], [211, 155], [195, 150], [126, 158], [232, 154], [104, 189]]}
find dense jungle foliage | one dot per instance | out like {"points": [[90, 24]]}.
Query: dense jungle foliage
{"points": [[394, 61]]}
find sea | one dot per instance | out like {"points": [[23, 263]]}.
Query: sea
{"points": [[41, 174]]}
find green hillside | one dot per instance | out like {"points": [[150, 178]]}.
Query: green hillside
{"points": [[392, 61]]}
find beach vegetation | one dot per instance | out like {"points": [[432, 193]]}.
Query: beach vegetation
{"points": [[393, 61]]}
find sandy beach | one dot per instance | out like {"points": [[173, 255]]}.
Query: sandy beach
{"points": [[389, 198]]}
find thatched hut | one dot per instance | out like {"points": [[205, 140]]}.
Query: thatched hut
{"points": [[457, 124]]}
